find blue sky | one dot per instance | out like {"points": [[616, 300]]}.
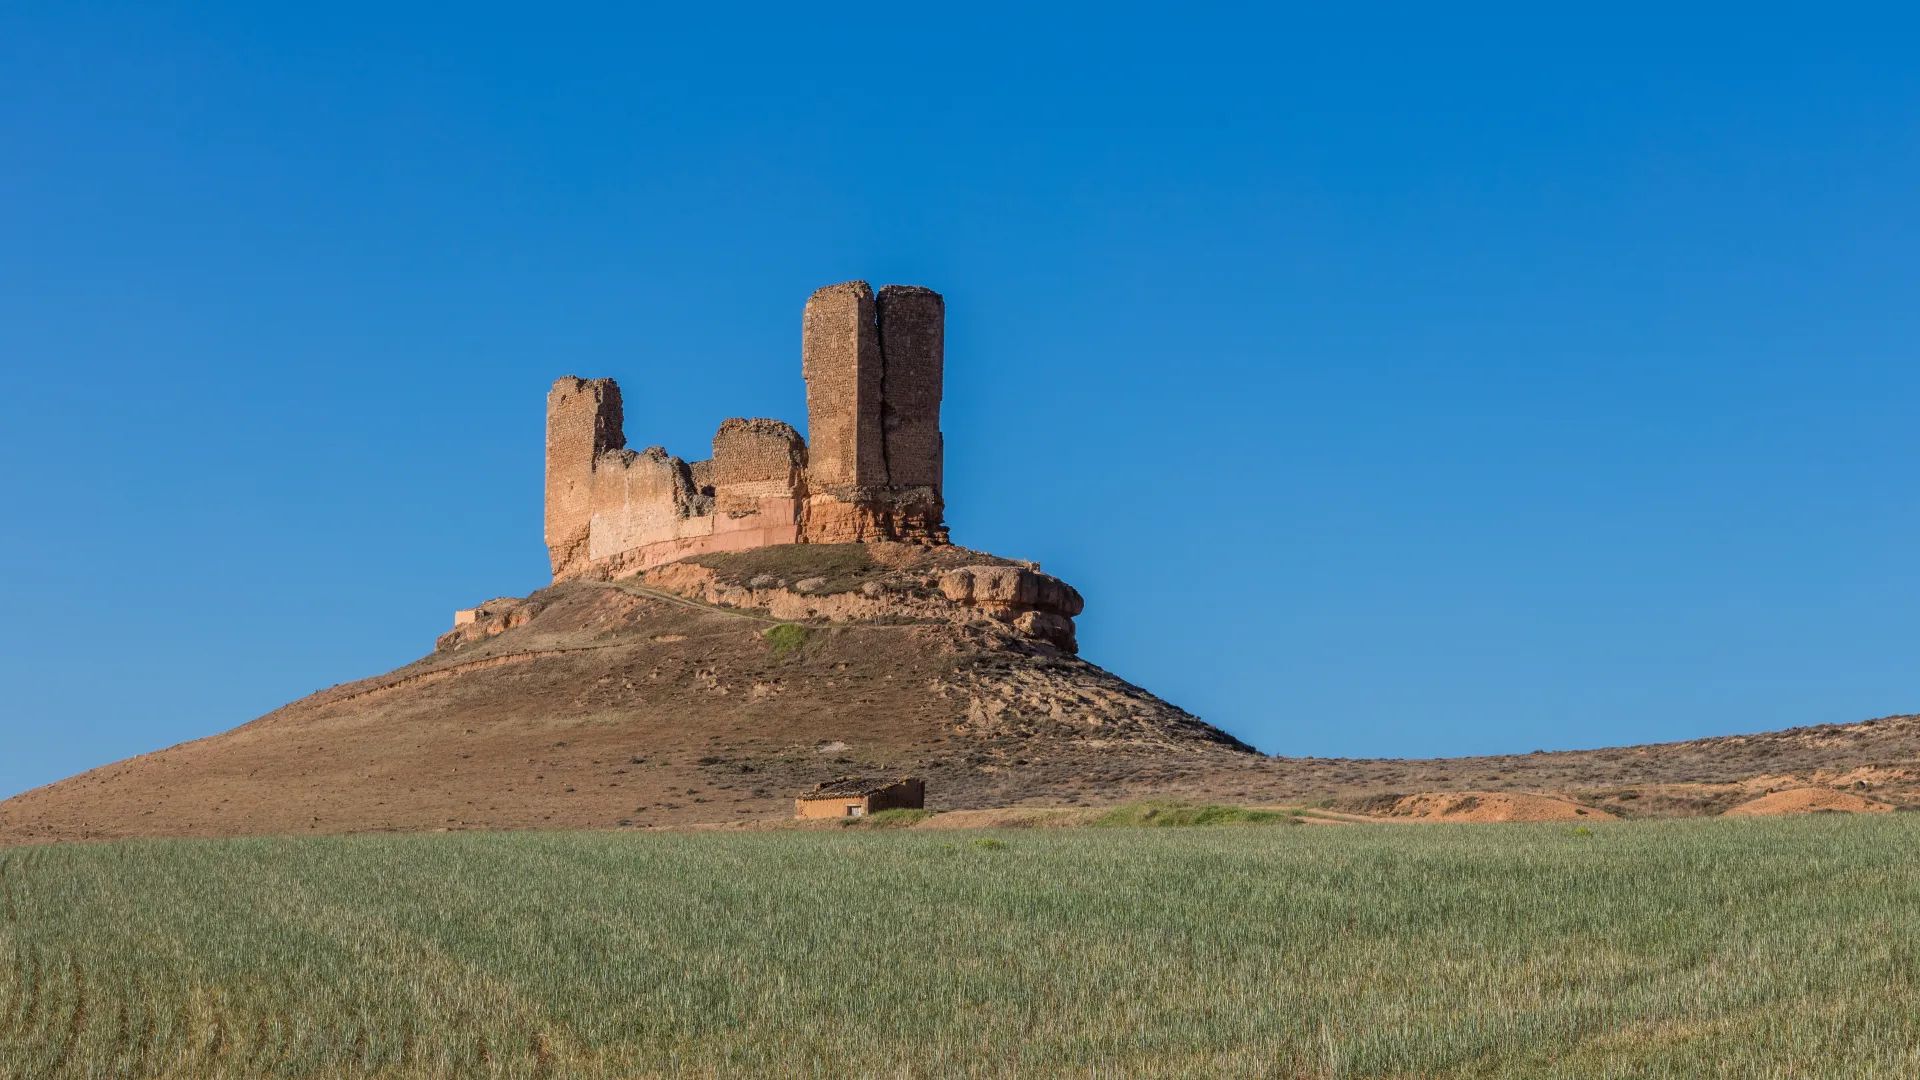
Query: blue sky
{"points": [[1392, 382]]}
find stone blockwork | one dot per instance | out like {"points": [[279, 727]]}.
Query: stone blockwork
{"points": [[873, 365], [755, 460], [840, 359], [913, 336]]}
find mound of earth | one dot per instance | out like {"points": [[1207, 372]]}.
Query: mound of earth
{"points": [[1808, 801], [1487, 806], [606, 703]]}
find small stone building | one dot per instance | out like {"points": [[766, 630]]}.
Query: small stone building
{"points": [[852, 796]]}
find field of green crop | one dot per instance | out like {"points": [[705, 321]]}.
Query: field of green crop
{"points": [[1760, 948]]}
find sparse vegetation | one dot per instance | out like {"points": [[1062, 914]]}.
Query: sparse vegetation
{"points": [[889, 819], [1370, 803], [786, 637], [1785, 947], [1166, 813], [841, 564]]}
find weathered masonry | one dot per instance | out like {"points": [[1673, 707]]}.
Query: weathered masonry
{"points": [[873, 365]]}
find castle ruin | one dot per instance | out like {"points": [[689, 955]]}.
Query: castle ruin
{"points": [[872, 472]]}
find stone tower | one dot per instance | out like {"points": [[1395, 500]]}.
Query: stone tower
{"points": [[873, 366], [584, 421]]}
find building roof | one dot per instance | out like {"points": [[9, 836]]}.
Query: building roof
{"points": [[851, 787]]}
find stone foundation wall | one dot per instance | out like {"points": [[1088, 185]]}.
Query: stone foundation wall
{"points": [[870, 515]]}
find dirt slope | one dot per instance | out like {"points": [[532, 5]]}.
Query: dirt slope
{"points": [[1487, 806], [1808, 801], [613, 704]]}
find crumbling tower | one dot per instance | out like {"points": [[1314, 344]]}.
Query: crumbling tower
{"points": [[873, 366], [584, 420]]}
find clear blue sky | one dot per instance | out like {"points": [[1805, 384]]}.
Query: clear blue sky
{"points": [[1392, 382]]}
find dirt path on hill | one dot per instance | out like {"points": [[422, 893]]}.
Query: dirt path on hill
{"points": [[670, 598]]}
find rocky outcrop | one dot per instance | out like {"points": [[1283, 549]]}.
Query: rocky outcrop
{"points": [[849, 583], [496, 616], [1038, 605], [908, 585]]}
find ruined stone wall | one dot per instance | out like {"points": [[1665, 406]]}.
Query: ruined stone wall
{"points": [[618, 511], [641, 499], [755, 460], [702, 473], [873, 369]]}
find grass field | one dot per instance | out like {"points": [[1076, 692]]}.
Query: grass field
{"points": [[1765, 948]]}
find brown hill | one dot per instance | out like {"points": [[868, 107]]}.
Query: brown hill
{"points": [[714, 689], [596, 704]]}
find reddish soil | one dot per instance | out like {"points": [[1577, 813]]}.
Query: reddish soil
{"points": [[1808, 801], [1488, 806]]}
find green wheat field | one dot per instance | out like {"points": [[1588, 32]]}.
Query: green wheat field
{"points": [[1715, 948]]}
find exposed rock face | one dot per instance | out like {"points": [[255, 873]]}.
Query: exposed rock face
{"points": [[1038, 605], [874, 369], [905, 584], [496, 616]]}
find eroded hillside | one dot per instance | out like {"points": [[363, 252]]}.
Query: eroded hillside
{"points": [[597, 704]]}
